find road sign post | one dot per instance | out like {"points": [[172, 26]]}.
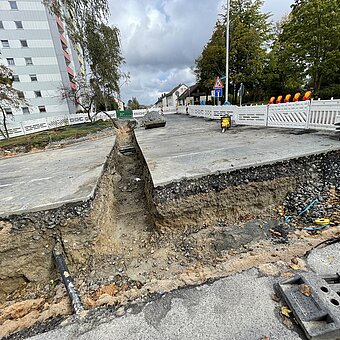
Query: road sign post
{"points": [[218, 89]]}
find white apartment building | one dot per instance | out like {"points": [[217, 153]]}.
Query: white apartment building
{"points": [[35, 45]]}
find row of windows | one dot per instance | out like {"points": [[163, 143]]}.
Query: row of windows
{"points": [[32, 76], [18, 25], [25, 110], [36, 93], [28, 61], [5, 43]]}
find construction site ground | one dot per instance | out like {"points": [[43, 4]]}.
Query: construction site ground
{"points": [[133, 241]]}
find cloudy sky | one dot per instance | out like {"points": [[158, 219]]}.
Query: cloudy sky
{"points": [[162, 38]]}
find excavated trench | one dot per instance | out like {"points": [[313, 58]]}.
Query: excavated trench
{"points": [[133, 240]]}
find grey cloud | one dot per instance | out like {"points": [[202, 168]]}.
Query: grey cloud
{"points": [[162, 38]]}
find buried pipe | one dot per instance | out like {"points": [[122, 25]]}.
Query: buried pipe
{"points": [[68, 281]]}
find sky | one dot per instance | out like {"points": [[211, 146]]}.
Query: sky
{"points": [[161, 39]]}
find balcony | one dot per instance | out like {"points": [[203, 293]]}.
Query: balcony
{"points": [[60, 23], [70, 71], [63, 40], [73, 86], [67, 56]]}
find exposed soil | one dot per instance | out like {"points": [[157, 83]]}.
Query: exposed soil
{"points": [[132, 240]]}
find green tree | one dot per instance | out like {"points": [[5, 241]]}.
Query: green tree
{"points": [[9, 97], [250, 33], [313, 34], [105, 59], [211, 62], [281, 74], [133, 104]]}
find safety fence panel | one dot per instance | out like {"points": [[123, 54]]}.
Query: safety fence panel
{"points": [[168, 110], [208, 112], [292, 115], [324, 114], [219, 111], [182, 109], [197, 111], [14, 130], [36, 125], [112, 114], [78, 119], [57, 121], [252, 115], [140, 113]]}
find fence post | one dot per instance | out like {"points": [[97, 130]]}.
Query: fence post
{"points": [[309, 114]]}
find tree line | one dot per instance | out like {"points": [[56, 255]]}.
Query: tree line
{"points": [[301, 52]]}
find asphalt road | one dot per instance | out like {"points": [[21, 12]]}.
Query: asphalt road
{"points": [[49, 179], [190, 147]]}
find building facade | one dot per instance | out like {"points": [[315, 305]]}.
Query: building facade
{"points": [[172, 98], [36, 46]]}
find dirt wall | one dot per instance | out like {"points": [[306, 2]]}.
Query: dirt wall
{"points": [[240, 195]]}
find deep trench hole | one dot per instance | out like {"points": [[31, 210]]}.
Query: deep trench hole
{"points": [[324, 289], [335, 302]]}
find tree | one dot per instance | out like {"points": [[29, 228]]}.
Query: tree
{"points": [[77, 14], [281, 74], [105, 59], [250, 33], [211, 62], [313, 33], [133, 104], [9, 97], [84, 97]]}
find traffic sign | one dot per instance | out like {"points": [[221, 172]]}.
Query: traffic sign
{"points": [[218, 92], [218, 84]]}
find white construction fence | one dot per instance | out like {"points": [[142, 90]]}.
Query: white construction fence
{"points": [[315, 114]]}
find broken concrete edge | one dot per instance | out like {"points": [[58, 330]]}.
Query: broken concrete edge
{"points": [[67, 203], [188, 177], [267, 171]]}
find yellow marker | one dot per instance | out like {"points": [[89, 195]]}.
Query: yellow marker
{"points": [[322, 221]]}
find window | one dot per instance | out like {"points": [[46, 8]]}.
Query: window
{"points": [[10, 61], [28, 61], [16, 77], [1, 25], [13, 4], [33, 77], [5, 43], [42, 108], [21, 94], [37, 93], [8, 111], [23, 43], [18, 24], [25, 110]]}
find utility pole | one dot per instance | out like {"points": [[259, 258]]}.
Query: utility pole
{"points": [[227, 55]]}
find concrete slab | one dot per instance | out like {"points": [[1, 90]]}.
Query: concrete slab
{"points": [[235, 308], [190, 147], [324, 261], [49, 179]]}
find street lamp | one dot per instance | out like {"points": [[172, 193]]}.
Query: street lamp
{"points": [[227, 54]]}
